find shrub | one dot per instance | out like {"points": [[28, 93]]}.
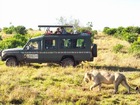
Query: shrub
{"points": [[135, 47], [130, 37], [117, 48], [9, 30], [20, 30], [95, 32], [110, 31], [15, 41], [105, 29]]}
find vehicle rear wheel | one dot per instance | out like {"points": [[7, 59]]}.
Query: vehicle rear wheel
{"points": [[11, 61], [67, 62]]}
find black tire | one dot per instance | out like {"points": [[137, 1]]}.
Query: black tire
{"points": [[67, 62], [11, 62], [94, 50]]}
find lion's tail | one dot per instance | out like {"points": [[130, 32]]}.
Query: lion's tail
{"points": [[125, 84]]}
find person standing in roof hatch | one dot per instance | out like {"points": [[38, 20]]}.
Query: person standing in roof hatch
{"points": [[58, 31], [63, 30], [48, 32]]}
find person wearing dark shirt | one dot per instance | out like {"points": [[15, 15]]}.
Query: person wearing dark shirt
{"points": [[58, 31]]}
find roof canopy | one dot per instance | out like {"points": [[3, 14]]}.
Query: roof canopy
{"points": [[56, 26]]}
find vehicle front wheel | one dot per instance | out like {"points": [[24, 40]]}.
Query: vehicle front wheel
{"points": [[11, 61], [67, 62]]}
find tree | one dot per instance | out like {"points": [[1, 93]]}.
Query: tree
{"points": [[111, 31], [105, 29], [89, 24], [7, 30], [20, 30], [71, 21]]}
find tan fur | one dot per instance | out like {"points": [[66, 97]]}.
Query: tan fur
{"points": [[105, 77]]}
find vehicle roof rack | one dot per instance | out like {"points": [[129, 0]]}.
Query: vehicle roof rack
{"points": [[55, 26]]}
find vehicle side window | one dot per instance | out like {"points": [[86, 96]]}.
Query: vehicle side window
{"points": [[50, 44], [65, 43], [80, 43], [72, 43], [33, 45]]}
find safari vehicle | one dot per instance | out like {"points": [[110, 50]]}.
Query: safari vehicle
{"points": [[65, 49]]}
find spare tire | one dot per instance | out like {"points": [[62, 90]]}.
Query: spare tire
{"points": [[94, 50]]}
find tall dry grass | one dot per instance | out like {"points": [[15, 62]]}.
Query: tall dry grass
{"points": [[107, 57]]}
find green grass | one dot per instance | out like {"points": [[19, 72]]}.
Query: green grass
{"points": [[55, 85]]}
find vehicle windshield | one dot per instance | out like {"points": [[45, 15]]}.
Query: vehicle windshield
{"points": [[33, 45]]}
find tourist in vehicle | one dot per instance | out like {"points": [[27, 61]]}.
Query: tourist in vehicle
{"points": [[63, 30], [48, 32], [58, 31]]}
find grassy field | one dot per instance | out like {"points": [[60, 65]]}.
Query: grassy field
{"points": [[50, 84]]}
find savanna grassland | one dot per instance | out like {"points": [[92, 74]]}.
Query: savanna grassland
{"points": [[50, 84]]}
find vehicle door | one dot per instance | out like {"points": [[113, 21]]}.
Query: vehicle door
{"points": [[50, 49], [32, 51]]}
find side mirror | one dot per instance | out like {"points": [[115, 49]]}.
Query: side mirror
{"points": [[27, 48]]}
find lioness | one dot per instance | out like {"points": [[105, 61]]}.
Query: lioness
{"points": [[105, 77]]}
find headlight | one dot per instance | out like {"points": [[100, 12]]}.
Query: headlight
{"points": [[3, 52]]}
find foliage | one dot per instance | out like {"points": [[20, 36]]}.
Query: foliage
{"points": [[20, 30], [13, 42], [7, 30], [130, 37], [71, 21], [105, 29], [111, 31], [17, 30], [95, 32], [130, 34], [135, 47], [117, 48]]}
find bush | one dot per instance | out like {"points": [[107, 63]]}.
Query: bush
{"points": [[9, 30], [117, 48], [110, 31], [129, 34], [105, 29], [95, 32], [20, 30], [13, 42], [130, 37], [135, 47]]}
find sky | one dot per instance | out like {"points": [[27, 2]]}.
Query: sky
{"points": [[102, 13]]}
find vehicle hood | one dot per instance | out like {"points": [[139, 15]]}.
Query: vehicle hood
{"points": [[13, 49]]}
